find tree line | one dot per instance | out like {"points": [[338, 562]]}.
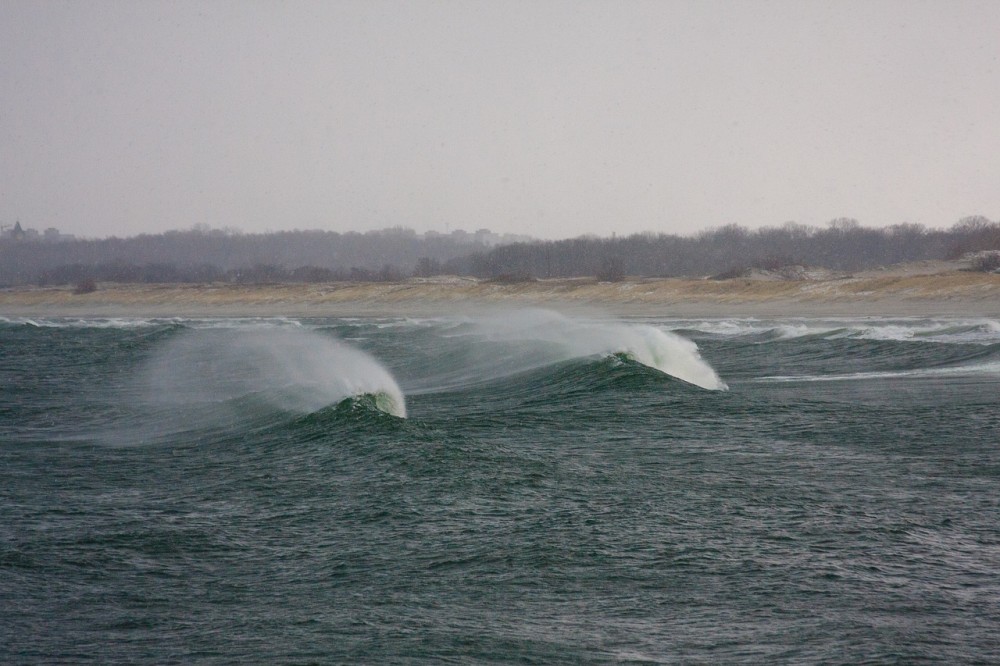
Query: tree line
{"points": [[843, 244], [202, 256], [206, 255]]}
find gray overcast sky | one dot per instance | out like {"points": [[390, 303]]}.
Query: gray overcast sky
{"points": [[552, 118]]}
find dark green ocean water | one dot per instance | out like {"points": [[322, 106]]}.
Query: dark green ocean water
{"points": [[563, 489]]}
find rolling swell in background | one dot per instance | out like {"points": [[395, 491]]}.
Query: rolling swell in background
{"points": [[562, 490]]}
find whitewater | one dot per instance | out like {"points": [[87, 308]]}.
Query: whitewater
{"points": [[499, 486]]}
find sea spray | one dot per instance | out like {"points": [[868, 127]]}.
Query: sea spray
{"points": [[503, 343], [282, 368]]}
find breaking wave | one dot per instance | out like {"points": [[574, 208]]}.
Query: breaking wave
{"points": [[209, 370], [499, 344]]}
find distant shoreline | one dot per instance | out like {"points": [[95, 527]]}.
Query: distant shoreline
{"points": [[922, 289]]}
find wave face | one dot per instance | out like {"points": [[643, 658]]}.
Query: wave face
{"points": [[563, 489]]}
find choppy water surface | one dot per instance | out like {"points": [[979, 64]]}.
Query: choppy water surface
{"points": [[516, 486]]}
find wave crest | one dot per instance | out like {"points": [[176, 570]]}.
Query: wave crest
{"points": [[510, 342], [285, 368]]}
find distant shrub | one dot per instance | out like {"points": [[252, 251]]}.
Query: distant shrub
{"points": [[775, 262], [258, 274], [779, 265], [611, 271], [313, 274], [85, 286], [389, 273], [986, 263], [427, 267]]}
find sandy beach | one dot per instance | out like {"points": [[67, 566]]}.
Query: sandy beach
{"points": [[917, 289]]}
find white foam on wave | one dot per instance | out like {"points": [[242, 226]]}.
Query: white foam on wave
{"points": [[947, 330], [782, 330], [888, 332], [721, 327], [792, 331], [524, 339], [82, 322], [287, 368], [989, 368], [665, 351], [984, 332], [240, 323], [126, 323]]}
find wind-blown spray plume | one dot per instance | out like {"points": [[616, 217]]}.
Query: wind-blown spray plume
{"points": [[286, 369], [520, 340]]}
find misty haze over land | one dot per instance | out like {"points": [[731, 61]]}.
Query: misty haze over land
{"points": [[204, 255]]}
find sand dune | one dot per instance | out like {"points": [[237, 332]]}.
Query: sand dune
{"points": [[927, 288]]}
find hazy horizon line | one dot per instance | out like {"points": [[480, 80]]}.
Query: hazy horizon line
{"points": [[228, 230]]}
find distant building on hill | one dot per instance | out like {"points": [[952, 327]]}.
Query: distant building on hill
{"points": [[18, 233], [15, 233]]}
